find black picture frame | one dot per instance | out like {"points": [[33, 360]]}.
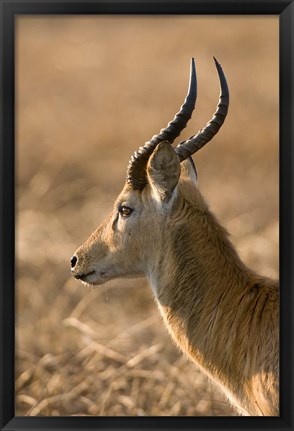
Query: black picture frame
{"points": [[9, 9]]}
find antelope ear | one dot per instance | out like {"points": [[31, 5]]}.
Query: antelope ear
{"points": [[188, 170], [163, 171]]}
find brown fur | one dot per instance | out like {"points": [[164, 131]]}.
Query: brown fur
{"points": [[221, 314]]}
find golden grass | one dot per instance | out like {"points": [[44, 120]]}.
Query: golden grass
{"points": [[90, 90]]}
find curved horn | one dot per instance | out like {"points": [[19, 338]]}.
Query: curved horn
{"points": [[193, 144], [136, 174]]}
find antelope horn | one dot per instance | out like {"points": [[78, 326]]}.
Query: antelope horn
{"points": [[193, 144], [136, 172]]}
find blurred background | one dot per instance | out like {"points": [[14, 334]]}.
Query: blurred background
{"points": [[89, 91]]}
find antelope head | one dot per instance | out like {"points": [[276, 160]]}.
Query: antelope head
{"points": [[131, 240]]}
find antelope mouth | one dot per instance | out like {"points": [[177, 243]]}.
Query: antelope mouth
{"points": [[83, 276], [93, 278]]}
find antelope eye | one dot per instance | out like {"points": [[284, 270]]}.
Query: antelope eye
{"points": [[125, 211]]}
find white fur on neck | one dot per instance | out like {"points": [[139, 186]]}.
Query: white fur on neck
{"points": [[151, 277]]}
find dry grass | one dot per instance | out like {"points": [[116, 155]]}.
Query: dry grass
{"points": [[90, 90]]}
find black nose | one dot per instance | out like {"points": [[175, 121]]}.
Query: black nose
{"points": [[73, 261]]}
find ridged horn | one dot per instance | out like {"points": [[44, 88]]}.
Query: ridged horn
{"points": [[193, 144], [136, 171]]}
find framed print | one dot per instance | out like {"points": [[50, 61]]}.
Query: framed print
{"points": [[139, 286]]}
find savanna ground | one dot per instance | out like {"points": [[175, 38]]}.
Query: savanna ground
{"points": [[91, 90]]}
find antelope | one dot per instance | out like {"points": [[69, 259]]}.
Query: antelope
{"points": [[220, 313]]}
